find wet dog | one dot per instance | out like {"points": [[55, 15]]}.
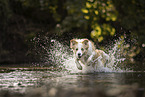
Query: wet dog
{"points": [[85, 53]]}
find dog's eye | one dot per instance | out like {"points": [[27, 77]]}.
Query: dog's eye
{"points": [[76, 49], [82, 49]]}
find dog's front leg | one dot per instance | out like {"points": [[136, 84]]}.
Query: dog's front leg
{"points": [[90, 59], [78, 64]]}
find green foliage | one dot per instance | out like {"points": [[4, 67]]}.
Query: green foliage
{"points": [[73, 18], [100, 14], [132, 17], [22, 20]]}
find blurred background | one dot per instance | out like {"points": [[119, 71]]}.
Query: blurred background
{"points": [[102, 21]]}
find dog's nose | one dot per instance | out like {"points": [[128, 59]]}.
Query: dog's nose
{"points": [[79, 55]]}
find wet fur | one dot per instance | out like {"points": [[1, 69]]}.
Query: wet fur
{"points": [[89, 54]]}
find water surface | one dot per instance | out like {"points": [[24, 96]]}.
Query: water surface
{"points": [[21, 79]]}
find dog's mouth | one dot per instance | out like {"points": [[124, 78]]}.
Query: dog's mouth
{"points": [[79, 57]]}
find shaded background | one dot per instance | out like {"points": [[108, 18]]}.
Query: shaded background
{"points": [[102, 21]]}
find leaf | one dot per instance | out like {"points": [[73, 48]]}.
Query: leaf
{"points": [[112, 32], [93, 34], [87, 17], [100, 38], [107, 18], [98, 29], [96, 12], [113, 18], [85, 11], [88, 5]]}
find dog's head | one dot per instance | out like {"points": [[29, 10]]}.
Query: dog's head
{"points": [[79, 46]]}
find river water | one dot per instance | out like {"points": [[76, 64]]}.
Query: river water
{"points": [[21, 79]]}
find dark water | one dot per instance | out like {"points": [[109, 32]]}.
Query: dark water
{"points": [[19, 80]]}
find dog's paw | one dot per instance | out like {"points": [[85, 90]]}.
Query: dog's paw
{"points": [[79, 67]]}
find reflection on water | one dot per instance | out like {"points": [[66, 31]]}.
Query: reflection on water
{"points": [[19, 80]]}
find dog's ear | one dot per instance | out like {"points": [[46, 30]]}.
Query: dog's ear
{"points": [[85, 41], [72, 43]]}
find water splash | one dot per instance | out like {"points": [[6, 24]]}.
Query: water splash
{"points": [[61, 56]]}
